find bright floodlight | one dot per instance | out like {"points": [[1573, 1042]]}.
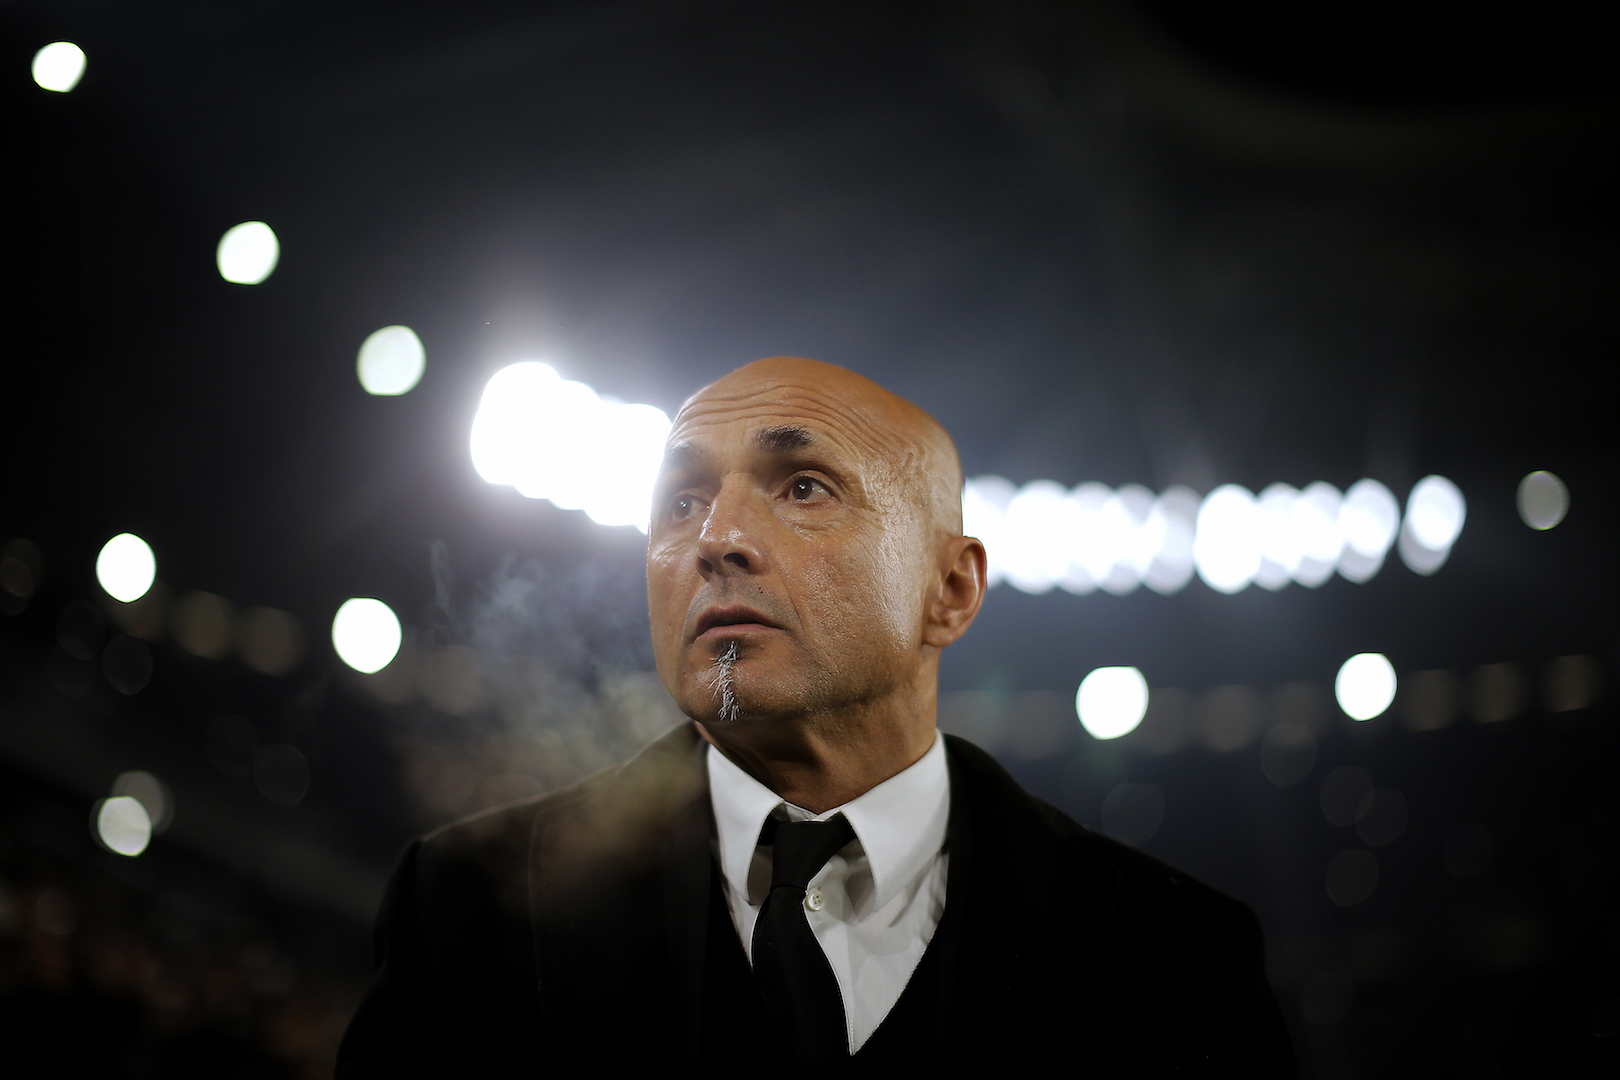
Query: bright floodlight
{"points": [[1314, 520], [1091, 547], [1111, 701], [126, 567], [391, 361], [984, 507], [366, 634], [247, 253], [1543, 500], [123, 825], [629, 446], [1435, 512], [1227, 544], [1170, 529], [1365, 686], [1369, 518], [58, 66], [1037, 536], [1124, 520], [985, 501], [556, 439], [1280, 552]]}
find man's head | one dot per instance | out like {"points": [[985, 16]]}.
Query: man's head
{"points": [[805, 561]]}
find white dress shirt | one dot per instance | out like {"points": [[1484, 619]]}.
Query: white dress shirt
{"points": [[875, 905]]}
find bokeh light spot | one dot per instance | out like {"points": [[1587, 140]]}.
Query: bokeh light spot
{"points": [[126, 567], [272, 643], [1227, 717], [151, 793], [1369, 519], [20, 568], [1227, 546], [1430, 699], [1436, 511], [1571, 683], [204, 624], [58, 66], [123, 825], [248, 253], [1497, 692], [1111, 701], [366, 634], [984, 508], [1543, 500], [1365, 686], [391, 361], [1037, 537]]}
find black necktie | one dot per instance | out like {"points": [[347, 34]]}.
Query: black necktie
{"points": [[793, 974]]}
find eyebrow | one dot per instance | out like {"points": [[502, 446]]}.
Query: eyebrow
{"points": [[774, 440], [786, 437]]}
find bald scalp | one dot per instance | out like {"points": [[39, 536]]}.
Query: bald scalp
{"points": [[917, 448]]}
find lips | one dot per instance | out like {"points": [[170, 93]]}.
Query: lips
{"points": [[734, 615]]}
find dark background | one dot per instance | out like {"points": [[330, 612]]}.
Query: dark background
{"points": [[1132, 243]]}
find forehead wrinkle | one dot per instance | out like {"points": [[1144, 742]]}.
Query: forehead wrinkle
{"points": [[838, 421]]}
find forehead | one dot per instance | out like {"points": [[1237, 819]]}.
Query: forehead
{"points": [[784, 413]]}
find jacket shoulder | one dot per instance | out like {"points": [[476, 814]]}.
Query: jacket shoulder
{"points": [[1142, 878], [659, 772]]}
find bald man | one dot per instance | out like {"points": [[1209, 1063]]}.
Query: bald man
{"points": [[807, 878]]}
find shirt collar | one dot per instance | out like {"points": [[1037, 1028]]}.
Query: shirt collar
{"points": [[900, 823]]}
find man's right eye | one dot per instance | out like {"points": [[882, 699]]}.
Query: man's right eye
{"points": [[682, 506]]}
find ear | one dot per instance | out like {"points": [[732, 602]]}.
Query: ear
{"points": [[960, 591]]}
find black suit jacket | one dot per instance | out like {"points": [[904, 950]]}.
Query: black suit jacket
{"points": [[570, 932]]}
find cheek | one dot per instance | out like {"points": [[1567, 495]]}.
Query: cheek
{"points": [[869, 588], [666, 609]]}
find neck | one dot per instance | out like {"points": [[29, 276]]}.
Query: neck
{"points": [[820, 766]]}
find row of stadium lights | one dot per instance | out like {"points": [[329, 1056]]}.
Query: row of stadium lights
{"points": [[366, 634], [531, 423]]}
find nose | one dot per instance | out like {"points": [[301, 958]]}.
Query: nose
{"points": [[729, 540]]}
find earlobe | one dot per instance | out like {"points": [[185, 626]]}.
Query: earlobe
{"points": [[961, 590]]}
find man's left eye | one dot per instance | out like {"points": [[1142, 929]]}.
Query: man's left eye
{"points": [[806, 488]]}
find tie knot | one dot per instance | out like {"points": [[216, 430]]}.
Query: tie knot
{"points": [[801, 848]]}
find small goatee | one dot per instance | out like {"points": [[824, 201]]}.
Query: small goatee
{"points": [[722, 681]]}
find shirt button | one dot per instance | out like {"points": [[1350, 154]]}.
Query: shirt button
{"points": [[814, 899]]}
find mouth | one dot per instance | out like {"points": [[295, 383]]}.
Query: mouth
{"points": [[731, 620]]}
